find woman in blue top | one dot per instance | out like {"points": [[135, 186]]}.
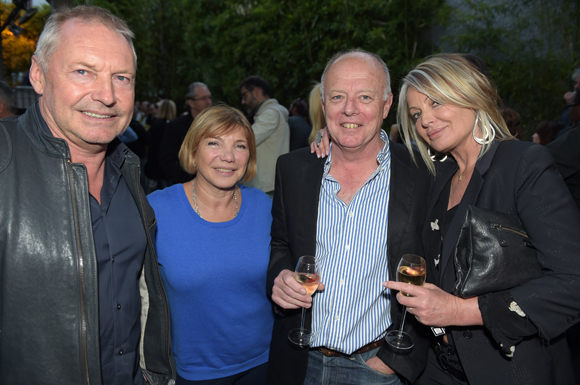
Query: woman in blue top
{"points": [[213, 245]]}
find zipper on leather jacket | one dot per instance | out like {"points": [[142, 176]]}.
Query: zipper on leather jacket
{"points": [[150, 241], [80, 260], [500, 227]]}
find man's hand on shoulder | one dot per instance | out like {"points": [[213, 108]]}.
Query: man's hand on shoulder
{"points": [[377, 364], [288, 293], [569, 98]]}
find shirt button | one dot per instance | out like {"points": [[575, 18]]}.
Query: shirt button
{"points": [[336, 318], [351, 214], [467, 334], [571, 320], [121, 352], [342, 281], [347, 247], [118, 306]]}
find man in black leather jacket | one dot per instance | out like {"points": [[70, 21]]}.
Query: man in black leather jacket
{"points": [[81, 297]]}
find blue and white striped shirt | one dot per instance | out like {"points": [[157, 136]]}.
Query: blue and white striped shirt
{"points": [[351, 252]]}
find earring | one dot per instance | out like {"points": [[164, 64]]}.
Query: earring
{"points": [[489, 133], [434, 156]]}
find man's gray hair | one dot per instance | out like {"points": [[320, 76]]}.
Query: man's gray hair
{"points": [[191, 90], [50, 36], [353, 53]]}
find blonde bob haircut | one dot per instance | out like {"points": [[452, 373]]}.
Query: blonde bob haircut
{"points": [[212, 123], [452, 79]]}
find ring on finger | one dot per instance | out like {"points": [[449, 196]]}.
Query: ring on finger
{"points": [[319, 136]]}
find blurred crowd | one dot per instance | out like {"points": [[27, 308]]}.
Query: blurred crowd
{"points": [[158, 127]]}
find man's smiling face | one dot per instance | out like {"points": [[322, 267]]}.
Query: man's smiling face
{"points": [[354, 104], [87, 92]]}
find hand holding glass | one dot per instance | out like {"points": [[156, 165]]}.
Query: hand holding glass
{"points": [[412, 269], [306, 274]]}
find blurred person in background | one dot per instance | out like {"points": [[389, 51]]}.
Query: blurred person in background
{"points": [[198, 99], [6, 100], [547, 131], [143, 112], [513, 122], [569, 97], [153, 110], [153, 171], [270, 129], [299, 124], [565, 151]]}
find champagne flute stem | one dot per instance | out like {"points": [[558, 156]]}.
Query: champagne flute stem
{"points": [[403, 323], [303, 316]]}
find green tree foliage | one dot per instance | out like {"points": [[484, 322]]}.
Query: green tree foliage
{"points": [[220, 42], [17, 51], [288, 42], [530, 46]]}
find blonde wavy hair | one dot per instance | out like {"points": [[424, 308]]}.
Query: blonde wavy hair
{"points": [[315, 112], [167, 110], [451, 79], [212, 123]]}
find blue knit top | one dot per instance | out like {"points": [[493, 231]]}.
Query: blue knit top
{"points": [[215, 278]]}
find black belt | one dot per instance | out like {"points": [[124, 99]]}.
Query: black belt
{"points": [[367, 348], [449, 361]]}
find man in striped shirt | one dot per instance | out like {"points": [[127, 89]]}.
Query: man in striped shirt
{"points": [[358, 211]]}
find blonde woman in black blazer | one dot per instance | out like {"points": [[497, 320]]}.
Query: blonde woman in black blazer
{"points": [[448, 107]]}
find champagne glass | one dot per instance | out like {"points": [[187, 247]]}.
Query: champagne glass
{"points": [[412, 270], [306, 274]]}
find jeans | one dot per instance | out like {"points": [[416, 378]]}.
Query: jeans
{"points": [[353, 370]]}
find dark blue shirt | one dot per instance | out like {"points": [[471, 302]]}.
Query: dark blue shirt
{"points": [[120, 243]]}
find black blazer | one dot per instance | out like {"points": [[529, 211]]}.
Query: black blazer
{"points": [[295, 213], [520, 178], [173, 137]]}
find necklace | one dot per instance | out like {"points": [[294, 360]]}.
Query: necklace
{"points": [[197, 208], [466, 172]]}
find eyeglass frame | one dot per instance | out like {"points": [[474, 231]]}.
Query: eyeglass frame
{"points": [[204, 98], [246, 92]]}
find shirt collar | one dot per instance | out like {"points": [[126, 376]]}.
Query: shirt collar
{"points": [[382, 157]]}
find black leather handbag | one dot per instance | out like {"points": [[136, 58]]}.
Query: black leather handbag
{"points": [[493, 253]]}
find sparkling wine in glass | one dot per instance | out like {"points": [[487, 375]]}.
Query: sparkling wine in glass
{"points": [[306, 274], [412, 269]]}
